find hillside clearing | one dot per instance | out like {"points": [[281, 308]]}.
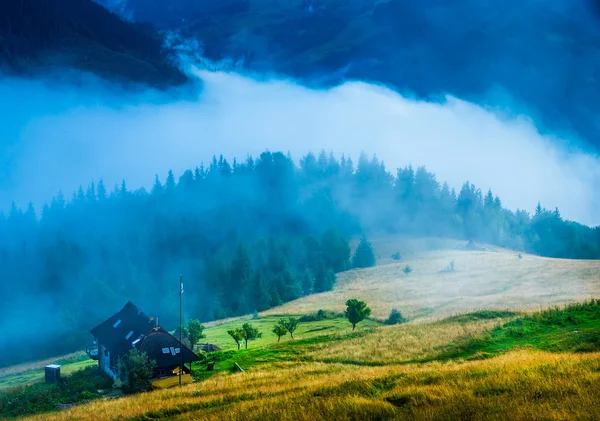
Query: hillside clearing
{"points": [[481, 280]]}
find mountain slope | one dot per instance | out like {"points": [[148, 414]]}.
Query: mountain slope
{"points": [[487, 279], [538, 55], [41, 36]]}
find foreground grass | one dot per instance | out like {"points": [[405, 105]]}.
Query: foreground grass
{"points": [[520, 385]]}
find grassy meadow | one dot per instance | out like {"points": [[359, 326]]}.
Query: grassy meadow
{"points": [[440, 373], [492, 340], [488, 279], [24, 374]]}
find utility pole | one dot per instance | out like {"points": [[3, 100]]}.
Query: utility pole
{"points": [[180, 328]]}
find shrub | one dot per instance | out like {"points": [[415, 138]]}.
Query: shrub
{"points": [[395, 318], [320, 315], [407, 270], [396, 256], [136, 370]]}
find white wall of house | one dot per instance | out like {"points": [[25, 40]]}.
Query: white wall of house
{"points": [[104, 361]]}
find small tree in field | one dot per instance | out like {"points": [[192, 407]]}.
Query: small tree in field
{"points": [[290, 325], [407, 270], [249, 333], [237, 335], [136, 370], [395, 318], [356, 311], [195, 331], [363, 256], [280, 330]]}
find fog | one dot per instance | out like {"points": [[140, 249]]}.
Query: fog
{"points": [[55, 137]]}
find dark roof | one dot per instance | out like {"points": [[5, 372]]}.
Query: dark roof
{"points": [[118, 336], [157, 340]]}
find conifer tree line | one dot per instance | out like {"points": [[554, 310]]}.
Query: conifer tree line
{"points": [[246, 235]]}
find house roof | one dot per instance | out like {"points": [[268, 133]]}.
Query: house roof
{"points": [[130, 328], [163, 347], [118, 332]]}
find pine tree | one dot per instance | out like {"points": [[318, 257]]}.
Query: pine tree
{"points": [[157, 188], [364, 256], [90, 195], [101, 191], [170, 183]]}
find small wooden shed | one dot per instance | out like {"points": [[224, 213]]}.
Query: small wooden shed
{"points": [[52, 373]]}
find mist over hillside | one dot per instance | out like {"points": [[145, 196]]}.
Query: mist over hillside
{"points": [[76, 135]]}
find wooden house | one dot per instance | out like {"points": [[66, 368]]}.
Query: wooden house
{"points": [[131, 329]]}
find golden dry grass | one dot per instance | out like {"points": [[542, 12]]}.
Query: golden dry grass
{"points": [[521, 385], [400, 343], [482, 280]]}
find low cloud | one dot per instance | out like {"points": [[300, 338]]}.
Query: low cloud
{"points": [[56, 138]]}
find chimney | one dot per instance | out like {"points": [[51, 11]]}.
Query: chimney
{"points": [[156, 325]]}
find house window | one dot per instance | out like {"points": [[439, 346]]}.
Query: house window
{"points": [[162, 372], [117, 323], [129, 335]]}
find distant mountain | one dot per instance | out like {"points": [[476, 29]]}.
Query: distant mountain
{"points": [[544, 54], [37, 36]]}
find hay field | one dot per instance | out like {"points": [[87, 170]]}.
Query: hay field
{"points": [[490, 279]]}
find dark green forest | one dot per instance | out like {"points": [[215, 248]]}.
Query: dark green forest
{"points": [[246, 236]]}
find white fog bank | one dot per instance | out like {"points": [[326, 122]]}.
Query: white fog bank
{"points": [[86, 138]]}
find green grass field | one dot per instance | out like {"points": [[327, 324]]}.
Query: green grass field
{"points": [[26, 374], [267, 349]]}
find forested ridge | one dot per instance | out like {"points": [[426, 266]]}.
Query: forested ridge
{"points": [[246, 236]]}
